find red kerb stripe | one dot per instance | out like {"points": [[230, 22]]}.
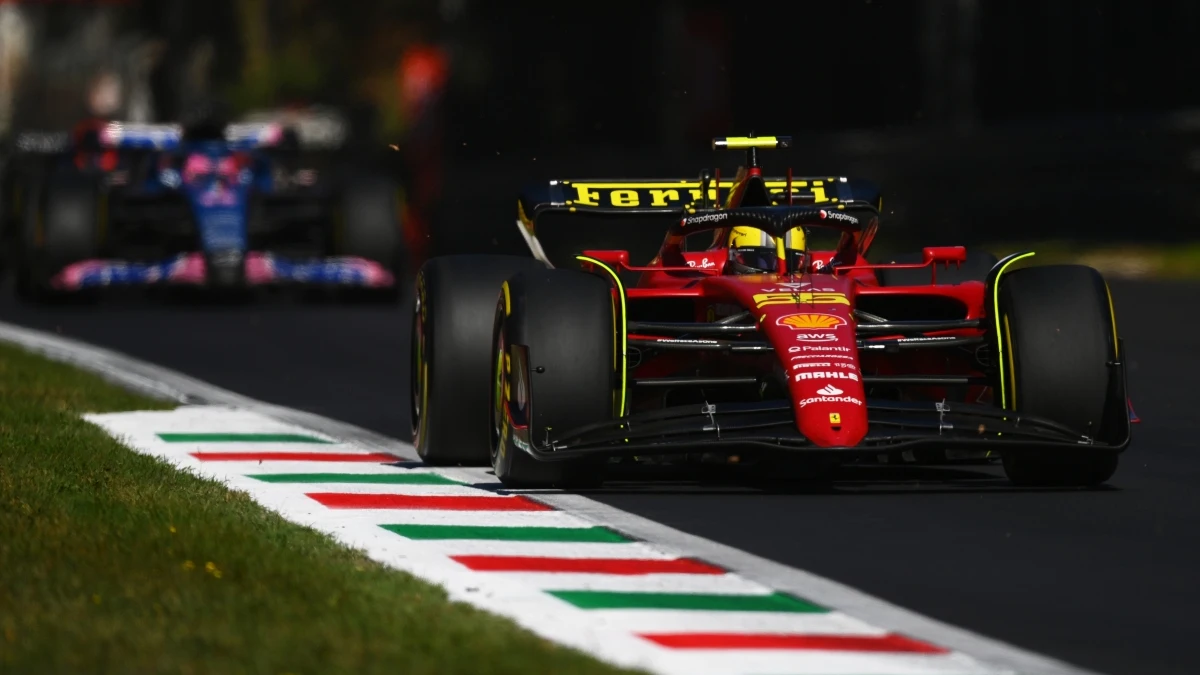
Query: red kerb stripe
{"points": [[376, 457], [498, 563], [840, 643], [336, 500]]}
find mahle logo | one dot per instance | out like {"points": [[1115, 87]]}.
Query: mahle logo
{"points": [[807, 321]]}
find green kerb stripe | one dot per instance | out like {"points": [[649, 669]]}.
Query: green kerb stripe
{"points": [[375, 478], [776, 602], [591, 535], [241, 438]]}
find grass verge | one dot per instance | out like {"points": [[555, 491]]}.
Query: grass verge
{"points": [[111, 561]]}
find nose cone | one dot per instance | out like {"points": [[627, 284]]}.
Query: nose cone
{"points": [[820, 355]]}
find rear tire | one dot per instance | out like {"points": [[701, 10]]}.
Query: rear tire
{"points": [[1058, 333], [974, 268], [69, 214], [557, 329], [451, 353]]}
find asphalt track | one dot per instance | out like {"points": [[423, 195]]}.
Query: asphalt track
{"points": [[1106, 579]]}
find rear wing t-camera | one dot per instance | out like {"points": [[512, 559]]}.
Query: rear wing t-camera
{"points": [[748, 142]]}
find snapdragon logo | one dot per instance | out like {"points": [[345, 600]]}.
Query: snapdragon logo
{"points": [[837, 215], [708, 218]]}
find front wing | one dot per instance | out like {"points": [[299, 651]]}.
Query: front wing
{"points": [[896, 427]]}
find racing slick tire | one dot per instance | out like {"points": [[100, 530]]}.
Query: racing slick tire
{"points": [[370, 228], [553, 367], [974, 268], [69, 210], [451, 352], [1059, 337]]}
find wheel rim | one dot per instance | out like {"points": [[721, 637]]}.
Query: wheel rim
{"points": [[420, 386], [497, 388]]}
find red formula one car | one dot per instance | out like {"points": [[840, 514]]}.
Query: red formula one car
{"points": [[742, 341]]}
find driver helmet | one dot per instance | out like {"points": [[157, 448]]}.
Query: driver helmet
{"points": [[753, 251]]}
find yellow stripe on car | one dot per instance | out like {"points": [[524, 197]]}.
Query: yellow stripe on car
{"points": [[622, 327], [999, 340]]}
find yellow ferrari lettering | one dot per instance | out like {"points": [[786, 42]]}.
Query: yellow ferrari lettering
{"points": [[586, 197], [800, 297], [673, 194], [624, 198], [663, 197]]}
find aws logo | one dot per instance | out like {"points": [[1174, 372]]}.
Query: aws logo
{"points": [[809, 321], [815, 298]]}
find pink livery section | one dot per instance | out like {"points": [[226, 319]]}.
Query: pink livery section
{"points": [[260, 269]]}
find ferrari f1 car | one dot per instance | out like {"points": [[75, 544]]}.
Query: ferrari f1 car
{"points": [[757, 347], [215, 206]]}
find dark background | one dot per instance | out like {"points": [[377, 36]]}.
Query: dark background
{"points": [[984, 121]]}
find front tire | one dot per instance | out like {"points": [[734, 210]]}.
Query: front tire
{"points": [[451, 353], [69, 210], [1059, 339], [554, 367]]}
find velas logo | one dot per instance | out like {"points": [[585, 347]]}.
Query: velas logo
{"points": [[799, 298], [807, 321]]}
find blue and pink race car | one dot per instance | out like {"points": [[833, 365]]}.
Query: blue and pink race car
{"points": [[231, 207]]}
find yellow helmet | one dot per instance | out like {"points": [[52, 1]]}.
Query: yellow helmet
{"points": [[742, 237]]}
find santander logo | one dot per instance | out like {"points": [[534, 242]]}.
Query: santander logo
{"points": [[829, 390]]}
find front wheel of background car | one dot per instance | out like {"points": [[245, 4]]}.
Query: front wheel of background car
{"points": [[370, 228], [554, 362], [450, 354], [1058, 335], [69, 216]]}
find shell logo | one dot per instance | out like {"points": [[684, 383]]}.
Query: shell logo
{"points": [[807, 321]]}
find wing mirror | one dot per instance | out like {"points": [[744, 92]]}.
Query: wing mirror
{"points": [[944, 254], [614, 259]]}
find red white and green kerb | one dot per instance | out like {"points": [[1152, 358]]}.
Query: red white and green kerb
{"points": [[687, 614]]}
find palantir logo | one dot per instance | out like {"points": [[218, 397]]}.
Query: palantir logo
{"points": [[829, 390]]}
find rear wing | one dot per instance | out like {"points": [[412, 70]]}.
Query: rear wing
{"points": [[242, 136], [673, 197], [636, 202], [130, 136]]}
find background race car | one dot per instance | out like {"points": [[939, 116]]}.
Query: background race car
{"points": [[222, 207]]}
